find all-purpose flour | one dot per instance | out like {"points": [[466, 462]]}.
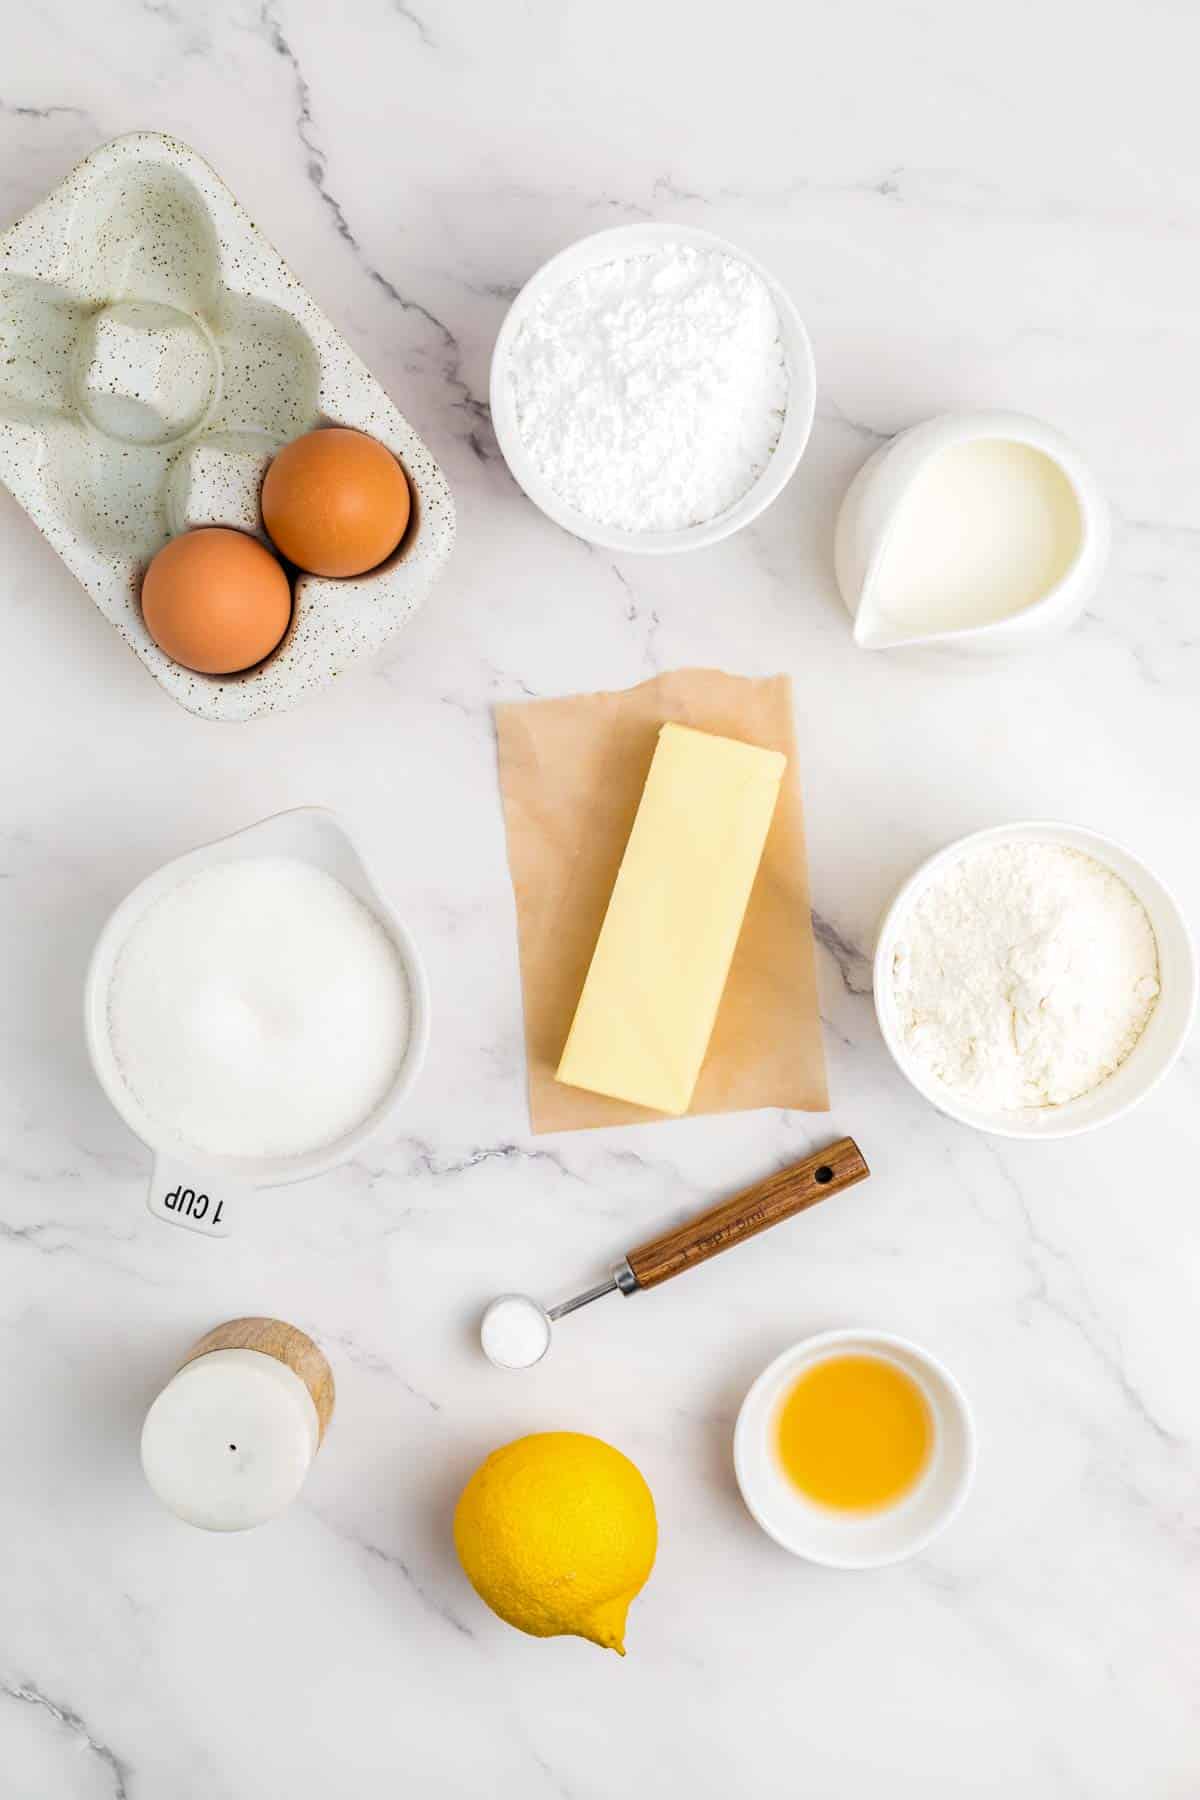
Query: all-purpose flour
{"points": [[1025, 975], [650, 391]]}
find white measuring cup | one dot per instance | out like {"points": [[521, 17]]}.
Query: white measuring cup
{"points": [[201, 1192]]}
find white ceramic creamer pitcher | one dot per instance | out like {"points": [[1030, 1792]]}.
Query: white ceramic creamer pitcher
{"points": [[875, 502], [200, 1192]]}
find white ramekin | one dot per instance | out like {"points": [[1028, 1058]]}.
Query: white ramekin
{"points": [[847, 1540], [644, 240], [1156, 1049], [313, 834]]}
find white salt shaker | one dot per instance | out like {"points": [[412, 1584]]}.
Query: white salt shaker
{"points": [[230, 1439]]}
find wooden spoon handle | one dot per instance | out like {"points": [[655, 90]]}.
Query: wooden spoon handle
{"points": [[768, 1203]]}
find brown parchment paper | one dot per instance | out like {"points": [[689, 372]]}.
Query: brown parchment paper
{"points": [[571, 776]]}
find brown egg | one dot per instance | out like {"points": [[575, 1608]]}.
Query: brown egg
{"points": [[335, 502], [216, 600]]}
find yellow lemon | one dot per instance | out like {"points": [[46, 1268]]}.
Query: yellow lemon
{"points": [[557, 1533]]}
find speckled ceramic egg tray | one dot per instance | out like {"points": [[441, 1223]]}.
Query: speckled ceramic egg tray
{"points": [[154, 352]]}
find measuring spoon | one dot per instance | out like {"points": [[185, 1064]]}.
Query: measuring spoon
{"points": [[516, 1330]]}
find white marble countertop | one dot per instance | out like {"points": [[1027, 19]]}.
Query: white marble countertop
{"points": [[968, 214]]}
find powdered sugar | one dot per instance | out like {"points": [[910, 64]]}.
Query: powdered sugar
{"points": [[1024, 975], [650, 390]]}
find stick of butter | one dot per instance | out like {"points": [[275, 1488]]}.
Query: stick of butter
{"points": [[658, 971]]}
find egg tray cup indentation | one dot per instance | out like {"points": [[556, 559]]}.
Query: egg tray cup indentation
{"points": [[154, 352]]}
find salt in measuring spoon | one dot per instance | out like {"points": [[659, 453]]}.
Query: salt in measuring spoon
{"points": [[516, 1330]]}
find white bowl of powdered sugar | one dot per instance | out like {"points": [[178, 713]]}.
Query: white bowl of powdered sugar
{"points": [[1034, 980], [652, 388]]}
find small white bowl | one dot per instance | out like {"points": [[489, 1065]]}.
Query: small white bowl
{"points": [[644, 240], [876, 499], [846, 1540], [312, 834], [1153, 1054]]}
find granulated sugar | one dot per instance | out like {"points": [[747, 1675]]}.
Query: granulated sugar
{"points": [[650, 391], [259, 1009]]}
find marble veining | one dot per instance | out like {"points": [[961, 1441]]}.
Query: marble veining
{"points": [[907, 174]]}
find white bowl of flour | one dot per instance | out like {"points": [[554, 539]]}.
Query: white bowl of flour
{"points": [[253, 1011], [652, 388], [1035, 980]]}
